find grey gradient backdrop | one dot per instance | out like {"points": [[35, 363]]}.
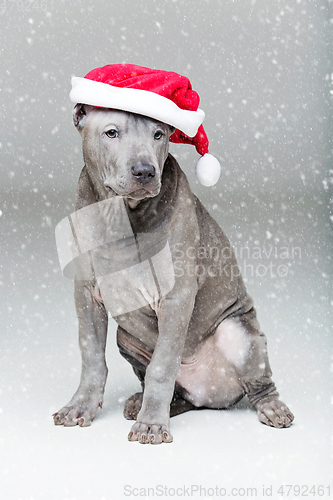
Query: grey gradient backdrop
{"points": [[262, 70]]}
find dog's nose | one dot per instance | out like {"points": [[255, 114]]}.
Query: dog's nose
{"points": [[143, 173]]}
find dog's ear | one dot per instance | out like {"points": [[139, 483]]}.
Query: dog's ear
{"points": [[80, 116], [172, 129]]}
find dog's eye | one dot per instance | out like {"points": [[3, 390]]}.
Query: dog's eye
{"points": [[158, 135], [111, 133]]}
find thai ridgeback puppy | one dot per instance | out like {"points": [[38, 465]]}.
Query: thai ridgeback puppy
{"points": [[191, 332]]}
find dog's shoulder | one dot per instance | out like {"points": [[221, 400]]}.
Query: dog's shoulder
{"points": [[210, 230], [183, 196]]}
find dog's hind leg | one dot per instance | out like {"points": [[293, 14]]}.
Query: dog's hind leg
{"points": [[133, 404], [179, 405], [257, 378]]}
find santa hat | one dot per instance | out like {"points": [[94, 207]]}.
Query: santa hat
{"points": [[162, 95]]}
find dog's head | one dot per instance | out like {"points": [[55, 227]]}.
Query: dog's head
{"points": [[124, 152]]}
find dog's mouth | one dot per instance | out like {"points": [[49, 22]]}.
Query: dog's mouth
{"points": [[137, 192], [141, 193]]}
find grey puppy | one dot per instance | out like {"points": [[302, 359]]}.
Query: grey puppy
{"points": [[199, 344]]}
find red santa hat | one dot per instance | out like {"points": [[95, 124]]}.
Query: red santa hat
{"points": [[162, 95]]}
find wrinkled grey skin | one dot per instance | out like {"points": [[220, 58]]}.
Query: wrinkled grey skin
{"points": [[184, 347]]}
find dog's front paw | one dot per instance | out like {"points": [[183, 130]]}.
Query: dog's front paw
{"points": [[275, 413], [150, 433], [79, 412]]}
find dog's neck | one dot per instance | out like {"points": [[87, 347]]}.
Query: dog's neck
{"points": [[133, 204]]}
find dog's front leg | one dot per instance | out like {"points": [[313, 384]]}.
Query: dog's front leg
{"points": [[93, 323], [174, 313]]}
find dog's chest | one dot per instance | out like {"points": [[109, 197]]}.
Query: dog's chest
{"points": [[134, 273]]}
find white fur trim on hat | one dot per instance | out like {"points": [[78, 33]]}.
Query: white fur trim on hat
{"points": [[142, 102]]}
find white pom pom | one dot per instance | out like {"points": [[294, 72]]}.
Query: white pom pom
{"points": [[208, 170]]}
